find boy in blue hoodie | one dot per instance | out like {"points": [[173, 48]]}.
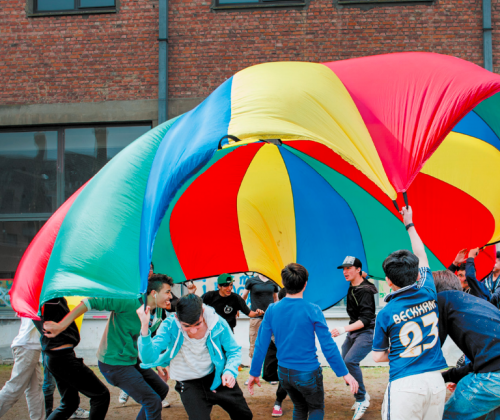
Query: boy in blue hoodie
{"points": [[203, 356]]}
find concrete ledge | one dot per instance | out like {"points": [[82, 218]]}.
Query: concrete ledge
{"points": [[74, 113], [91, 112], [182, 105]]}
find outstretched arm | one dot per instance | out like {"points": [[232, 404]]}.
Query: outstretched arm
{"points": [[416, 243], [477, 288], [52, 329]]}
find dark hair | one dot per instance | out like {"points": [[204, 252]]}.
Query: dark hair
{"points": [[294, 278], [401, 267], [446, 280], [189, 309], [461, 267], [156, 282], [152, 265], [498, 254], [282, 293]]}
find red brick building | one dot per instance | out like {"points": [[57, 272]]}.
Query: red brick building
{"points": [[80, 78]]}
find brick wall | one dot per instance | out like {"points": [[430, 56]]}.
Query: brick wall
{"points": [[82, 58], [206, 48], [114, 56]]}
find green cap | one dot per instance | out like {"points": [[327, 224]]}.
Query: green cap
{"points": [[225, 278]]}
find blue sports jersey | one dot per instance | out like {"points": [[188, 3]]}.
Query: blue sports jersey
{"points": [[408, 325]]}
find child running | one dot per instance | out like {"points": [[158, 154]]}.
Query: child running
{"points": [[407, 335], [295, 324]]}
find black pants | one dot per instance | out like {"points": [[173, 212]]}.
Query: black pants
{"points": [[143, 385], [280, 394], [271, 372], [198, 400], [73, 376]]}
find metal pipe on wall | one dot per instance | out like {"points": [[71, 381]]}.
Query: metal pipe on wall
{"points": [[163, 62], [487, 36]]}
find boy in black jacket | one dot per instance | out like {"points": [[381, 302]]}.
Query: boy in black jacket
{"points": [[71, 374], [474, 325], [358, 343]]}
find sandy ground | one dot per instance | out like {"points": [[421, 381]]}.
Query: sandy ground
{"points": [[338, 400]]}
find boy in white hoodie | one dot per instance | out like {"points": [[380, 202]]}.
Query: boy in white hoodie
{"points": [[203, 356]]}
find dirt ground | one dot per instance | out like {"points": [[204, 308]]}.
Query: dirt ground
{"points": [[338, 400]]}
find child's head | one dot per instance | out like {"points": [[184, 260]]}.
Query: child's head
{"points": [[294, 278], [446, 280], [401, 268], [189, 309]]}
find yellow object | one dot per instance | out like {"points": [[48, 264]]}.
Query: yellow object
{"points": [[304, 101], [73, 302], [266, 214], [460, 155]]}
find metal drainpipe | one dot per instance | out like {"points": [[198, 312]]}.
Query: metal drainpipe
{"points": [[163, 62], [487, 38]]}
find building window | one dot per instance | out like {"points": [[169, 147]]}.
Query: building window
{"points": [[64, 7], [39, 170], [381, 2], [256, 3]]}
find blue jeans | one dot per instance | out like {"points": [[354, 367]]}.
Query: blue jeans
{"points": [[143, 385], [355, 348], [305, 389], [476, 395]]}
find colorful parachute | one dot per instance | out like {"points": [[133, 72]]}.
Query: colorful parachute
{"points": [[321, 153]]}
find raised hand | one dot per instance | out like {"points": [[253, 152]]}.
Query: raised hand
{"points": [[461, 257], [473, 252], [144, 315], [407, 215]]}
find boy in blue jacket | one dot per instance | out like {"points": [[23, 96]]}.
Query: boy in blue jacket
{"points": [[203, 356]]}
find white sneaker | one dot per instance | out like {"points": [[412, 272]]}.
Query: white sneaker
{"points": [[165, 403], [80, 413], [246, 382], [123, 398], [367, 397], [360, 409]]}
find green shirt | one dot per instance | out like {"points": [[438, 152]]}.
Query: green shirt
{"points": [[118, 345]]}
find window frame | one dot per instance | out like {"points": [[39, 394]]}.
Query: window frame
{"points": [[60, 190], [32, 9], [216, 5], [381, 2]]}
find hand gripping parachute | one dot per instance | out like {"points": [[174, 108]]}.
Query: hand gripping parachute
{"points": [[320, 155]]}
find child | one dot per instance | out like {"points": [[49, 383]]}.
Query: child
{"points": [[295, 323], [407, 336]]}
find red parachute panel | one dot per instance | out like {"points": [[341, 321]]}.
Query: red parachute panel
{"points": [[208, 210]]}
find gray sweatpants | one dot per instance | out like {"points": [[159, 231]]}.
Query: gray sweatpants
{"points": [[26, 377]]}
